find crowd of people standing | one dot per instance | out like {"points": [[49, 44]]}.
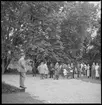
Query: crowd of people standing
{"points": [[66, 70]]}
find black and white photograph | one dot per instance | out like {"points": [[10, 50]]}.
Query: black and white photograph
{"points": [[51, 52]]}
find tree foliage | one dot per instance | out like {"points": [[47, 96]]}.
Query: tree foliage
{"points": [[96, 43], [46, 30]]}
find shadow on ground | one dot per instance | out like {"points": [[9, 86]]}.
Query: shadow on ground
{"points": [[6, 88], [11, 94]]}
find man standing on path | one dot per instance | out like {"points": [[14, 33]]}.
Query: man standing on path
{"points": [[22, 70]]}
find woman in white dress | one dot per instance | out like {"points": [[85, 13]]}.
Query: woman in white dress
{"points": [[65, 72], [41, 70], [46, 70], [96, 71]]}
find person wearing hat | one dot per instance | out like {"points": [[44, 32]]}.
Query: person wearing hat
{"points": [[22, 70]]}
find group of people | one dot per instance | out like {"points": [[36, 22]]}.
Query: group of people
{"points": [[54, 70], [96, 71], [66, 70], [90, 71], [51, 71]]}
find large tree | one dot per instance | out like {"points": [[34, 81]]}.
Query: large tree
{"points": [[45, 30], [79, 17], [29, 26]]}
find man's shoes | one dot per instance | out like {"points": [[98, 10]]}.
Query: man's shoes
{"points": [[23, 87]]}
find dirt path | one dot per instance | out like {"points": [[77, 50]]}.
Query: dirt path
{"points": [[59, 91]]}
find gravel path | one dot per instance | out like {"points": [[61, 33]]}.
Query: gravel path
{"points": [[59, 91]]}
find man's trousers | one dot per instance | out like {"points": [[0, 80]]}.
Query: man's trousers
{"points": [[22, 78]]}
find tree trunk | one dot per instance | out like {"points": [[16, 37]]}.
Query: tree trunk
{"points": [[3, 67], [7, 63], [90, 70]]}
